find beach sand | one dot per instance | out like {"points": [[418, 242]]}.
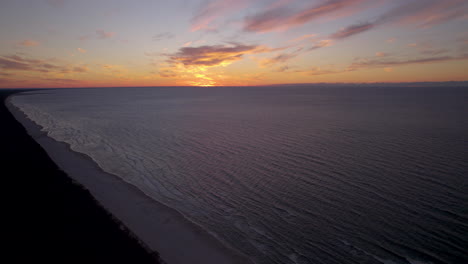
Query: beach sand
{"points": [[160, 228]]}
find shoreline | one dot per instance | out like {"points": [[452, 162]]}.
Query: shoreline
{"points": [[158, 227], [51, 218]]}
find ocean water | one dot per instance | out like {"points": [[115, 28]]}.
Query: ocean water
{"points": [[286, 174]]}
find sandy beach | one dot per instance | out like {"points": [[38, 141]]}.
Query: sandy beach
{"points": [[159, 228]]}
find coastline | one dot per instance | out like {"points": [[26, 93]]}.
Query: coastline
{"points": [[158, 227], [51, 218]]}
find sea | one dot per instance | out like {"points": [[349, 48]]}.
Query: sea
{"points": [[286, 174]]}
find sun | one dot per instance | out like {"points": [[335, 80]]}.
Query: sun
{"points": [[202, 83]]}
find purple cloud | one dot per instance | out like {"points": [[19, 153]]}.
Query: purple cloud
{"points": [[282, 18], [352, 30], [212, 55], [18, 63]]}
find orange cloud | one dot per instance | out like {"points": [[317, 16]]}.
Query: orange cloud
{"points": [[318, 71], [303, 37], [81, 50], [62, 80], [29, 43], [380, 54], [193, 65]]}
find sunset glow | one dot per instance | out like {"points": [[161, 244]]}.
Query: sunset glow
{"points": [[67, 43]]}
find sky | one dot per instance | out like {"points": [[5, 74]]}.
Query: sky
{"points": [[109, 43]]}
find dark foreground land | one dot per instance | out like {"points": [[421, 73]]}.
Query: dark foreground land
{"points": [[49, 218]]}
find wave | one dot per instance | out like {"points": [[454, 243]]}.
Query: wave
{"points": [[278, 184]]}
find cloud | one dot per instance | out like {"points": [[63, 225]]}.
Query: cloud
{"points": [[391, 40], [284, 68], [101, 34], [326, 8], [426, 48], [81, 50], [314, 71], [6, 74], [433, 51], [422, 13], [19, 63], [281, 58], [80, 69], [282, 18], [217, 55], [114, 69], [352, 30], [61, 80], [463, 38], [380, 54], [211, 11], [267, 21], [321, 44], [167, 73], [11, 64], [29, 43], [387, 63], [84, 37], [303, 37], [192, 64], [426, 13], [163, 36]]}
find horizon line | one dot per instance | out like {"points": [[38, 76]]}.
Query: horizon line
{"points": [[262, 85]]}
